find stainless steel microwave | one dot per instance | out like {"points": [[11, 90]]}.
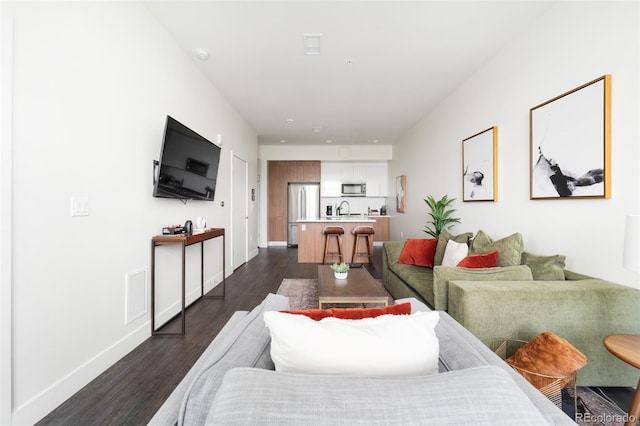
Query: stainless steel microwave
{"points": [[354, 189]]}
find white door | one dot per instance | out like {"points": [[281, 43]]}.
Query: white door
{"points": [[239, 213]]}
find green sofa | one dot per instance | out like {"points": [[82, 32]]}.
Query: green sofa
{"points": [[582, 309], [430, 285]]}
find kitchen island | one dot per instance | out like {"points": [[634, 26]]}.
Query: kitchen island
{"points": [[311, 239]]}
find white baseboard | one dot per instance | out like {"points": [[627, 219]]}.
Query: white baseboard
{"points": [[46, 401], [277, 243], [253, 253]]}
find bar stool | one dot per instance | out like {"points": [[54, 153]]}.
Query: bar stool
{"points": [[366, 232], [332, 231]]}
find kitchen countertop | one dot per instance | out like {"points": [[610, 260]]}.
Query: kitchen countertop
{"points": [[358, 218]]}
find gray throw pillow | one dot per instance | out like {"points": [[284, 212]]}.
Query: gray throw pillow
{"points": [[545, 268]]}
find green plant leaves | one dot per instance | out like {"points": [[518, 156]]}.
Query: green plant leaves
{"points": [[441, 215]]}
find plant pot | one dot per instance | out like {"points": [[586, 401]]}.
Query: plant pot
{"points": [[340, 275]]}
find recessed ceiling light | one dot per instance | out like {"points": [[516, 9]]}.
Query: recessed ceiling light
{"points": [[201, 54], [290, 120], [316, 129], [311, 43], [375, 141], [282, 141], [329, 141]]}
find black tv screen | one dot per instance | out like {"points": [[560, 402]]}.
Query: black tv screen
{"points": [[188, 164]]}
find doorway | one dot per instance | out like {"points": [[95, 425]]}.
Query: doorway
{"points": [[239, 212]]}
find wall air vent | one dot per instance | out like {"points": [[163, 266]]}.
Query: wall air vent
{"points": [[311, 43]]}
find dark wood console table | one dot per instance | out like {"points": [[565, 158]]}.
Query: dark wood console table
{"points": [[184, 241]]}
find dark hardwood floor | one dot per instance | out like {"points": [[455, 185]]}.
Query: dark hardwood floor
{"points": [[132, 390]]}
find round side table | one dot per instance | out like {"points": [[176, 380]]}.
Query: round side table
{"points": [[627, 348]]}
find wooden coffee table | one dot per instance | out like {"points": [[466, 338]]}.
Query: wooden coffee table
{"points": [[359, 287]]}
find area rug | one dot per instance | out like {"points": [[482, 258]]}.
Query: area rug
{"points": [[593, 408]]}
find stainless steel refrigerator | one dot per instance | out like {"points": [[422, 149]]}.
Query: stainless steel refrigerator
{"points": [[303, 203]]}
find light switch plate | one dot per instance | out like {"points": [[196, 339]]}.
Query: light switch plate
{"points": [[79, 206]]}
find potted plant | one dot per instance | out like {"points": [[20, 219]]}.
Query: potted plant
{"points": [[441, 215], [340, 270]]}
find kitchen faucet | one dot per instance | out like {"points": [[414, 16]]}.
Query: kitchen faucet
{"points": [[339, 209]]}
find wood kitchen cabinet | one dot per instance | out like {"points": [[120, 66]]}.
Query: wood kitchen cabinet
{"points": [[280, 173], [381, 227]]}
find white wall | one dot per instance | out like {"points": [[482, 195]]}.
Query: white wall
{"points": [[574, 43], [92, 85]]}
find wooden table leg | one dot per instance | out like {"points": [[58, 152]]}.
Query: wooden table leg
{"points": [[634, 410]]}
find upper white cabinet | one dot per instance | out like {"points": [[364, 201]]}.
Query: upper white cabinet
{"points": [[377, 185], [330, 179], [333, 175]]}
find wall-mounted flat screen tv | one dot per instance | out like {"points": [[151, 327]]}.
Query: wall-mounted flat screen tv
{"points": [[188, 164]]}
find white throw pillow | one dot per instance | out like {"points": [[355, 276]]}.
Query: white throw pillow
{"points": [[454, 253], [384, 346]]}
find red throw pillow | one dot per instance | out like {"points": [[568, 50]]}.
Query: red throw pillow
{"points": [[354, 313], [419, 252], [483, 260]]}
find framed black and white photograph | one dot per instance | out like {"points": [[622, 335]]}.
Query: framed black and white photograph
{"points": [[480, 166], [570, 144]]}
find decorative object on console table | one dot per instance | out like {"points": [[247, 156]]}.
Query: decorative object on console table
{"points": [[570, 144], [480, 166], [401, 193]]}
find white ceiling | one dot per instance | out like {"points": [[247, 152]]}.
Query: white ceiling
{"points": [[383, 64]]}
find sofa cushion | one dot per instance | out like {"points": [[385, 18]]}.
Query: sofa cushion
{"points": [[509, 248], [385, 346], [353, 313], [419, 251], [260, 397], [481, 260], [244, 346], [443, 274], [546, 268], [454, 253], [392, 249], [418, 278], [444, 238]]}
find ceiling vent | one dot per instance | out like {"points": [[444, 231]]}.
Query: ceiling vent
{"points": [[311, 43]]}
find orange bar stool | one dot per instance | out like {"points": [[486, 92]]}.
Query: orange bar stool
{"points": [[365, 232], [332, 231]]}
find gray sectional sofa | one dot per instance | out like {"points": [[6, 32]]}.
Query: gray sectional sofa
{"points": [[233, 383], [522, 301]]}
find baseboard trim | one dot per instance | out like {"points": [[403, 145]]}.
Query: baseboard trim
{"points": [[49, 399], [277, 243], [46, 401]]}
